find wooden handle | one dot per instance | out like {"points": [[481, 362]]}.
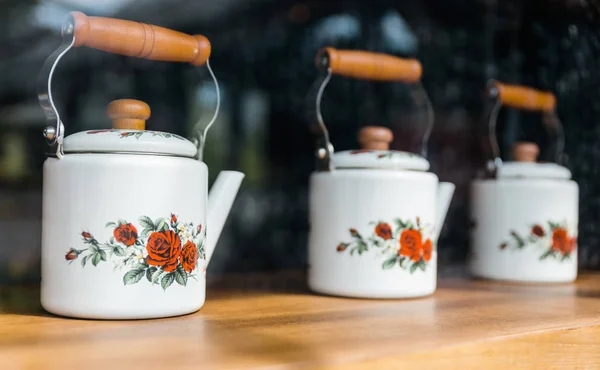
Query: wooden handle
{"points": [[139, 40], [369, 66], [375, 138], [522, 97], [128, 114], [525, 152]]}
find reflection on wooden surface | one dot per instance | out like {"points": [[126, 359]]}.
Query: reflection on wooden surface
{"points": [[257, 321]]}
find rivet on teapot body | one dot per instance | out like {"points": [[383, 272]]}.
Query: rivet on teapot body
{"points": [[375, 138], [128, 114], [525, 152]]}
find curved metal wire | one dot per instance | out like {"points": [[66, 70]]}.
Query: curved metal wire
{"points": [[430, 119], [497, 161], [201, 133], [325, 151], [55, 132], [551, 121]]}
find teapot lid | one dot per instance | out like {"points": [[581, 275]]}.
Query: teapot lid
{"points": [[128, 134], [375, 153], [525, 165]]}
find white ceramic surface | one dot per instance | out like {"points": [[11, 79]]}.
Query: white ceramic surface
{"points": [[533, 169], [503, 208], [347, 206], [131, 141], [83, 193], [380, 159]]}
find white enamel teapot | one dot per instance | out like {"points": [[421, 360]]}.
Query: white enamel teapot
{"points": [[375, 214], [128, 227], [524, 213]]}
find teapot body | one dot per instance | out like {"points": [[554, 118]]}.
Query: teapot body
{"points": [[371, 233], [524, 229], [123, 236]]}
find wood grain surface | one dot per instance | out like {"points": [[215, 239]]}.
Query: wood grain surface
{"points": [[139, 40], [273, 322], [527, 98], [367, 65]]}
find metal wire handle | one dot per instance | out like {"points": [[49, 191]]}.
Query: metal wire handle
{"points": [[551, 122], [325, 149], [55, 131], [200, 133]]}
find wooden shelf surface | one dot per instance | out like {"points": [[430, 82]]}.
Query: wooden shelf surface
{"points": [[273, 322]]}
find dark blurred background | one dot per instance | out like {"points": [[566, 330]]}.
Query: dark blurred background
{"points": [[263, 53]]}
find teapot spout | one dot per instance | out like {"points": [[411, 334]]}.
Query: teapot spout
{"points": [[444, 197], [220, 199]]}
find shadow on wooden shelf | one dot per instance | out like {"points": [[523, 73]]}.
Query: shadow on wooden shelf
{"points": [[24, 302], [580, 288], [280, 282]]}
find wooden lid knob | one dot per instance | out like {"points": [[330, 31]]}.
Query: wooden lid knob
{"points": [[375, 138], [128, 114], [525, 152]]}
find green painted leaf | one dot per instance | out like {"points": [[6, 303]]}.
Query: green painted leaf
{"points": [[565, 257], [422, 265], [96, 258], [146, 223], [362, 247], [150, 272], [118, 251], [84, 260], [168, 136], [138, 134], [547, 254], [133, 276], [167, 280], [162, 226], [145, 233], [518, 239], [102, 254], [110, 224], [413, 267], [553, 225], [388, 264], [181, 276], [401, 261], [122, 222], [156, 275], [353, 250], [201, 249], [400, 223]]}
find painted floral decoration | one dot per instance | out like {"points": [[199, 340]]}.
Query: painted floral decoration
{"points": [[166, 250], [404, 244], [136, 134], [554, 240], [383, 154]]}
